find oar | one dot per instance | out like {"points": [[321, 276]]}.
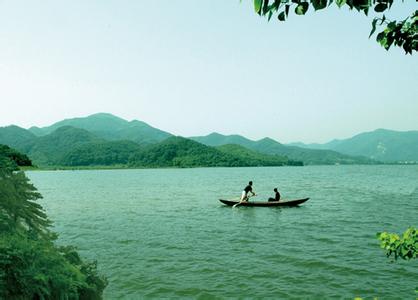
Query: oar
{"points": [[235, 205]]}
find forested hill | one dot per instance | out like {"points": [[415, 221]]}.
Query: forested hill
{"points": [[17, 137], [74, 147], [272, 147], [50, 149], [256, 157], [106, 140], [182, 152], [381, 144], [110, 127]]}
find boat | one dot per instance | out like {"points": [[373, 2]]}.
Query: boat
{"points": [[295, 202]]}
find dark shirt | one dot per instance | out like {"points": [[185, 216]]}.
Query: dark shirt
{"points": [[277, 196], [248, 189]]}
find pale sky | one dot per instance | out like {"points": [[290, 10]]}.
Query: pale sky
{"points": [[195, 67]]}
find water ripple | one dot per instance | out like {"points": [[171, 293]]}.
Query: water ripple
{"points": [[163, 233]]}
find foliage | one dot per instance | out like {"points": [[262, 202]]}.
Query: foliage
{"points": [[31, 266], [19, 158], [399, 33], [100, 154], [16, 137], [36, 269], [405, 247], [257, 158], [185, 153], [18, 206], [49, 149], [182, 152]]}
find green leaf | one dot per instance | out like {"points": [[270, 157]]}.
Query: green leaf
{"points": [[319, 4], [389, 42], [340, 2], [392, 25], [383, 20], [366, 11], [282, 16], [266, 7], [381, 7], [277, 3], [380, 37], [257, 6], [302, 8], [373, 27]]}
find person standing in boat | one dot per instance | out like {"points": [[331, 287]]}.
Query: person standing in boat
{"points": [[247, 189], [276, 195]]}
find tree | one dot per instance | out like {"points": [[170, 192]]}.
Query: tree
{"points": [[18, 206], [399, 33], [31, 265]]}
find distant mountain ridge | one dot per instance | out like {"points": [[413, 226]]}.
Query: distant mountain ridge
{"points": [[110, 127], [111, 141], [272, 147], [105, 139], [381, 144], [16, 137], [182, 152]]}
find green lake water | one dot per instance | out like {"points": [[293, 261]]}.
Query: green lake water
{"points": [[162, 233]]}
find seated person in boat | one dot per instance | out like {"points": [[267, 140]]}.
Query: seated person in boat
{"points": [[276, 195], [247, 189]]}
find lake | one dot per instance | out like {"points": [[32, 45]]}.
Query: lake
{"points": [[162, 233]]}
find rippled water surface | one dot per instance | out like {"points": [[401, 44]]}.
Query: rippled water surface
{"points": [[163, 233]]}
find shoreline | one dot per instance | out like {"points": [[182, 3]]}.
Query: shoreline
{"points": [[81, 168]]}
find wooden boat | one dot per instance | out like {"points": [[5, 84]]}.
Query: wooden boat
{"points": [[268, 204]]}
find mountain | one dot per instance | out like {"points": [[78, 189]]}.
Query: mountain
{"points": [[182, 152], [17, 137], [257, 158], [104, 139], [216, 139], [70, 146], [110, 127], [100, 153], [49, 149], [381, 144], [329, 146], [272, 147]]}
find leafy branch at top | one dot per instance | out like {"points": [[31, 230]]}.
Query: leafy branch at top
{"points": [[402, 34]]}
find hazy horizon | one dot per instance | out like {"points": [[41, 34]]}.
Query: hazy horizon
{"points": [[192, 68]]}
